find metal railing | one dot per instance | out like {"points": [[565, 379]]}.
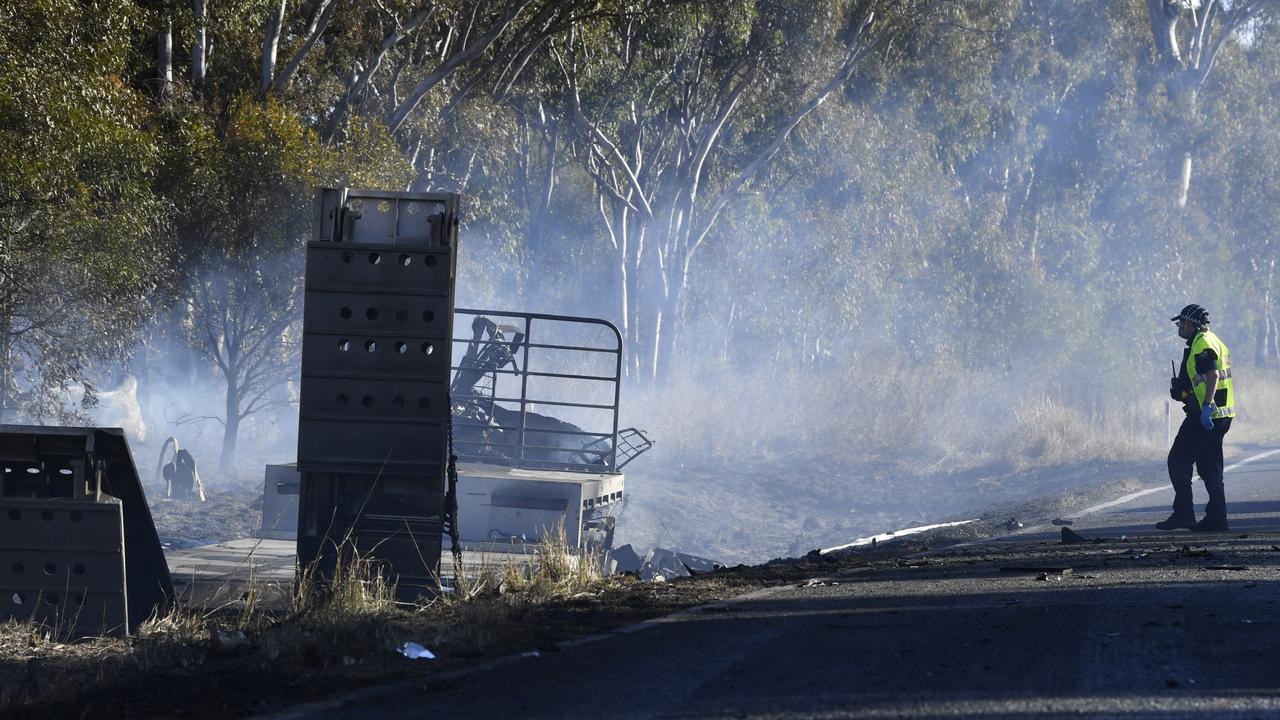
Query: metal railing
{"points": [[495, 410]]}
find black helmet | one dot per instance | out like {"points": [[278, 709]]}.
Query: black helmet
{"points": [[1193, 314]]}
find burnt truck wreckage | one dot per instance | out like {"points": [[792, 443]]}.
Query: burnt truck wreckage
{"points": [[408, 434], [453, 438], [502, 439], [522, 475]]}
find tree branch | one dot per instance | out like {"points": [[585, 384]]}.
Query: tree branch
{"points": [[447, 68], [319, 23], [363, 79]]}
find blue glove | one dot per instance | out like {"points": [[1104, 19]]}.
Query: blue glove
{"points": [[1206, 416]]}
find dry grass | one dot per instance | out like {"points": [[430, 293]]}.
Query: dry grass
{"points": [[358, 586], [347, 618], [930, 413], [558, 570], [1257, 397], [488, 603]]}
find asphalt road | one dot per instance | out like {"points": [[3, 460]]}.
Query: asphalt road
{"points": [[1152, 625], [1252, 482]]}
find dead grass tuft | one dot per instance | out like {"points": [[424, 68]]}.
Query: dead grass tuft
{"points": [[558, 570], [358, 586]]}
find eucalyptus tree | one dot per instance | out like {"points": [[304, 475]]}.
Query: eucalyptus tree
{"points": [[676, 107], [80, 249], [1186, 38], [383, 60], [243, 195]]}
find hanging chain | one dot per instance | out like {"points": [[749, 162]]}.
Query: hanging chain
{"points": [[451, 493]]}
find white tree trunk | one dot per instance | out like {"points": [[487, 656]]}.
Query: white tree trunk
{"points": [[271, 45], [319, 23], [164, 59], [199, 57], [1184, 184]]}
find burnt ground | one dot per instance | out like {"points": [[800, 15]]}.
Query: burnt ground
{"points": [[229, 514], [182, 671], [743, 512], [1171, 626]]}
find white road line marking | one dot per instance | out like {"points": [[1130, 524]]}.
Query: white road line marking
{"points": [[1087, 511], [1135, 495], [885, 537]]}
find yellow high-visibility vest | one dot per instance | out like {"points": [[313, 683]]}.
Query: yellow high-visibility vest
{"points": [[1199, 383]]}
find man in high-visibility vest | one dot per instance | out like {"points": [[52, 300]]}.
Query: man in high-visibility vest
{"points": [[1205, 387]]}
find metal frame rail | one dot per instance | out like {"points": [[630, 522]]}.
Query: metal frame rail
{"points": [[599, 451]]}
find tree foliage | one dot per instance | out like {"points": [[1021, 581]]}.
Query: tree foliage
{"points": [[81, 242], [830, 183]]}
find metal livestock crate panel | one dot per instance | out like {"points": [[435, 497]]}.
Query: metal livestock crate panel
{"points": [[401, 448], [101, 470], [396, 519], [332, 503], [410, 561], [371, 399], [280, 502], [376, 351], [62, 565], [339, 312], [358, 354], [379, 269], [380, 216]]}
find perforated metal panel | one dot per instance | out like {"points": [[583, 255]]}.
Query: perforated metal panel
{"points": [[62, 564], [78, 548], [376, 349]]}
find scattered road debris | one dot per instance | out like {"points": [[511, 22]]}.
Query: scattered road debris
{"points": [[226, 643], [624, 559], [1043, 569], [1186, 551], [816, 582], [661, 565], [1071, 537], [414, 651], [698, 565]]}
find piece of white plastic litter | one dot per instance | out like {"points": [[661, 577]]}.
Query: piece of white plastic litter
{"points": [[414, 651]]}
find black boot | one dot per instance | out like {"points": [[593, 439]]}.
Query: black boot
{"points": [[1212, 523], [1178, 521]]}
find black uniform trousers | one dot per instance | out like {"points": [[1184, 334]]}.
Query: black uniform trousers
{"points": [[1203, 448]]}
